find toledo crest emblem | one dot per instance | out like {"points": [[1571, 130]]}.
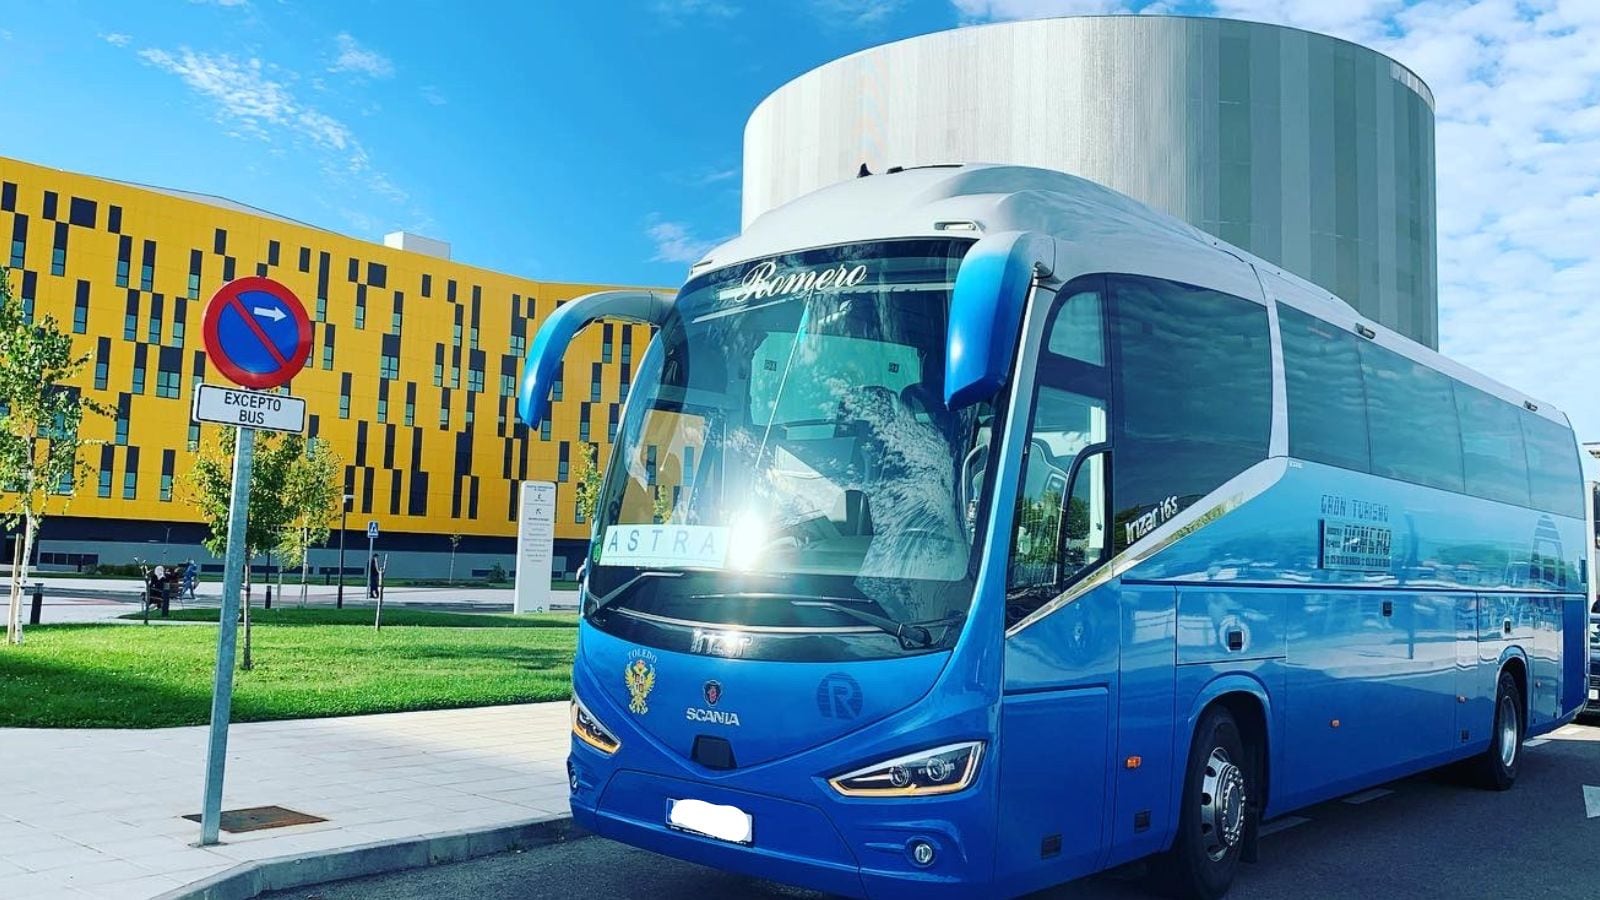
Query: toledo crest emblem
{"points": [[640, 676]]}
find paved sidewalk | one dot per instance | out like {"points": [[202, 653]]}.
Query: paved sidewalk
{"points": [[96, 813]]}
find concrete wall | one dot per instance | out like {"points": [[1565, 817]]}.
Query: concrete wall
{"points": [[1312, 152]]}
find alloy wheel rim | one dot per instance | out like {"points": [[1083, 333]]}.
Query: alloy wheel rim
{"points": [[1222, 801], [1508, 732]]}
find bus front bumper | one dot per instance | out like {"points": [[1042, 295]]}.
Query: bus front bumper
{"points": [[792, 842]]}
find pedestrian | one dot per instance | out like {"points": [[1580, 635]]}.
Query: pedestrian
{"points": [[191, 578], [372, 577]]}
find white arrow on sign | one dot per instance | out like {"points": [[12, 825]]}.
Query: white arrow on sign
{"points": [[1591, 801], [271, 312]]}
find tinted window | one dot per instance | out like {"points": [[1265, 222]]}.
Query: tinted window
{"points": [[1411, 417], [1327, 405], [1554, 477], [1059, 528], [1491, 446], [1193, 398]]}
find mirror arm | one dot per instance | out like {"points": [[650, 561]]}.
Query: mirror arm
{"points": [[539, 367]]}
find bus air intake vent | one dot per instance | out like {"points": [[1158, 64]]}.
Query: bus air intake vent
{"points": [[713, 752]]}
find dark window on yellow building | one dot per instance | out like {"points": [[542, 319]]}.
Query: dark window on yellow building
{"points": [[594, 383], [196, 265], [605, 342], [147, 267], [102, 363], [544, 429], [156, 304], [138, 367], [19, 241], [80, 309], [167, 460], [388, 366], [58, 250]]}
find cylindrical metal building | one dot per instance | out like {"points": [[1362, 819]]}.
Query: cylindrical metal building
{"points": [[1309, 151]]}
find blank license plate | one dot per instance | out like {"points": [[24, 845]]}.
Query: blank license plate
{"points": [[725, 823]]}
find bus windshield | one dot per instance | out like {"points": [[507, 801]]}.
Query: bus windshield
{"points": [[787, 462]]}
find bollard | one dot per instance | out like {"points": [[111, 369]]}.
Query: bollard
{"points": [[38, 603], [269, 596]]}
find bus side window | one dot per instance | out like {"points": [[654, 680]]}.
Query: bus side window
{"points": [[1059, 527]]}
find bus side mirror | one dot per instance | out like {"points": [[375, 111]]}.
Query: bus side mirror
{"points": [[991, 292], [550, 344]]}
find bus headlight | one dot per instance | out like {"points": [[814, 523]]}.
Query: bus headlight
{"points": [[589, 730], [942, 770]]}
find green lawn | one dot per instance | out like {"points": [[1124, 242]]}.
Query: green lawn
{"points": [[308, 663]]}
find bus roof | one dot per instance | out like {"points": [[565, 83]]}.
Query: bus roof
{"points": [[924, 201]]}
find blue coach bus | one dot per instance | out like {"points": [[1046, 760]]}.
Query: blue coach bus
{"points": [[974, 528]]}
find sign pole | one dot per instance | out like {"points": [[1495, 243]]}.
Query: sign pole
{"points": [[227, 635], [372, 578]]}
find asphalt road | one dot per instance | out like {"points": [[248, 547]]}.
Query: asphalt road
{"points": [[1423, 837]]}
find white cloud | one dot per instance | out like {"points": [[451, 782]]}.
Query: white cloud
{"points": [[1517, 133], [679, 10], [116, 39], [972, 11], [1517, 128], [251, 102], [714, 176], [676, 242], [432, 95], [855, 12], [353, 57]]}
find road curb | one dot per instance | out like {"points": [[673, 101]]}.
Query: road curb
{"points": [[248, 880]]}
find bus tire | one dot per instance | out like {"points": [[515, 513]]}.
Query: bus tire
{"points": [[1496, 768], [1214, 813]]}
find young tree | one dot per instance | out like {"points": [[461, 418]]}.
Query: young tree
{"points": [[313, 493], [587, 481], [209, 489], [455, 541], [40, 440]]}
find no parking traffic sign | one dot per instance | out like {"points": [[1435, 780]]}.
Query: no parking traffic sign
{"points": [[257, 332]]}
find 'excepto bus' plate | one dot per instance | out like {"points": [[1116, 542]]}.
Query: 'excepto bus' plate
{"points": [[249, 409], [724, 823]]}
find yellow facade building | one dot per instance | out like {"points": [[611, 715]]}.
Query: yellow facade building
{"points": [[412, 375]]}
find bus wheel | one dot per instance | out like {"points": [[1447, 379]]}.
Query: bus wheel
{"points": [[1496, 769], [1211, 827]]}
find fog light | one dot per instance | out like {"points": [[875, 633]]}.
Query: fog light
{"points": [[921, 852], [572, 776]]}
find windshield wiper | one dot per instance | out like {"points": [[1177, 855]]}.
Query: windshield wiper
{"points": [[615, 594], [772, 595], [912, 635]]}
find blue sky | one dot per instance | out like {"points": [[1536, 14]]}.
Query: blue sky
{"points": [[570, 141], [600, 141]]}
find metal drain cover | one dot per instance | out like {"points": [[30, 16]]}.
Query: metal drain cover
{"points": [[256, 818]]}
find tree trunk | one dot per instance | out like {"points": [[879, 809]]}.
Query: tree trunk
{"points": [[14, 610], [305, 563], [452, 564], [245, 662]]}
